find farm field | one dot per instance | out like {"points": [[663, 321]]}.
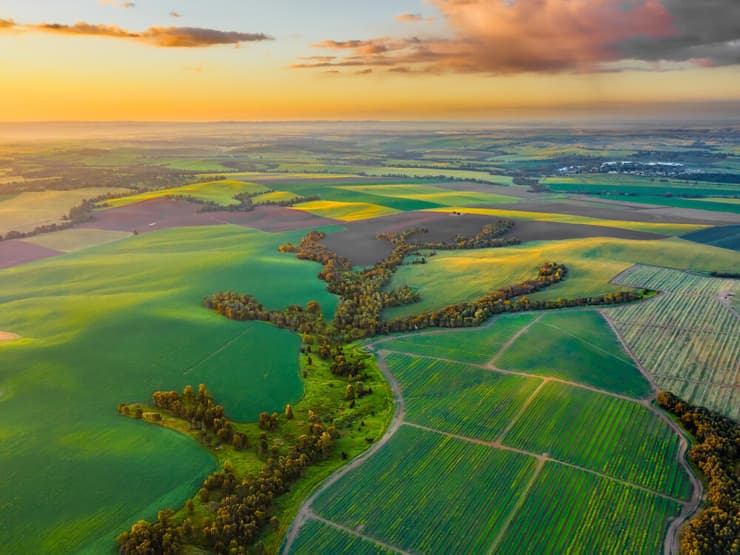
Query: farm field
{"points": [[591, 262], [274, 196], [583, 457], [686, 338], [587, 514], [576, 346], [727, 237], [113, 324], [70, 240], [345, 211], [26, 211], [459, 399], [317, 537], [476, 345], [221, 192], [431, 194], [617, 437], [649, 227], [459, 492]]}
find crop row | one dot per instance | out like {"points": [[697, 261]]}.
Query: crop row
{"points": [[428, 493], [317, 537], [459, 399], [570, 511], [613, 436], [686, 338]]}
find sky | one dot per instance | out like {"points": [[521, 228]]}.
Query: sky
{"points": [[208, 60]]}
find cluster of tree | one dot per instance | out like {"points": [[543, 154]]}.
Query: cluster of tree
{"points": [[727, 275], [245, 202], [242, 505], [716, 452], [488, 237]]}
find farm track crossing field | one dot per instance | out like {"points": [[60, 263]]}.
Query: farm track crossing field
{"points": [[686, 338], [476, 345], [570, 511], [613, 436], [317, 537], [576, 346], [427, 493], [112, 324], [459, 399]]}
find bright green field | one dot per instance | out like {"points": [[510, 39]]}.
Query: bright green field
{"points": [[577, 346], [616, 437], [476, 345], [591, 262], [221, 192], [459, 399], [114, 323], [317, 537], [586, 514], [428, 493]]}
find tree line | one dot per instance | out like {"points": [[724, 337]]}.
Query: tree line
{"points": [[243, 506], [716, 452]]}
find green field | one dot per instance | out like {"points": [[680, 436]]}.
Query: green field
{"points": [[317, 537], [578, 347], [687, 339], [26, 211], [459, 399], [616, 437], [221, 192], [114, 323], [428, 493], [476, 345], [591, 262], [74, 239], [587, 514], [274, 196], [431, 194]]}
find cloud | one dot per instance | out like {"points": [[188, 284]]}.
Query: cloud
{"points": [[175, 14], [407, 17], [117, 4], [517, 36], [163, 37]]}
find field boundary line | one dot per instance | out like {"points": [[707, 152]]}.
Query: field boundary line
{"points": [[398, 416], [217, 351], [517, 335], [347, 530], [547, 458], [517, 506], [491, 368], [522, 410]]}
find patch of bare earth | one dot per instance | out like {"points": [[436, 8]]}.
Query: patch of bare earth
{"points": [[7, 336], [16, 252]]}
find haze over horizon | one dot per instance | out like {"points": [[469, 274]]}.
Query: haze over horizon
{"points": [[93, 60]]}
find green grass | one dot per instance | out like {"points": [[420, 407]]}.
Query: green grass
{"points": [[591, 262], [425, 492], [579, 513], [459, 399], [317, 537], [687, 339], [579, 347], [476, 345], [616, 437], [221, 192], [74, 239], [112, 324], [27, 211]]}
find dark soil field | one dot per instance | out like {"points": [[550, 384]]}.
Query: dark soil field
{"points": [[151, 215], [14, 253], [358, 242]]}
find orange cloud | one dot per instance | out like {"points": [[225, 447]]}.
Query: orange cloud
{"points": [[164, 37], [407, 17], [515, 36]]}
